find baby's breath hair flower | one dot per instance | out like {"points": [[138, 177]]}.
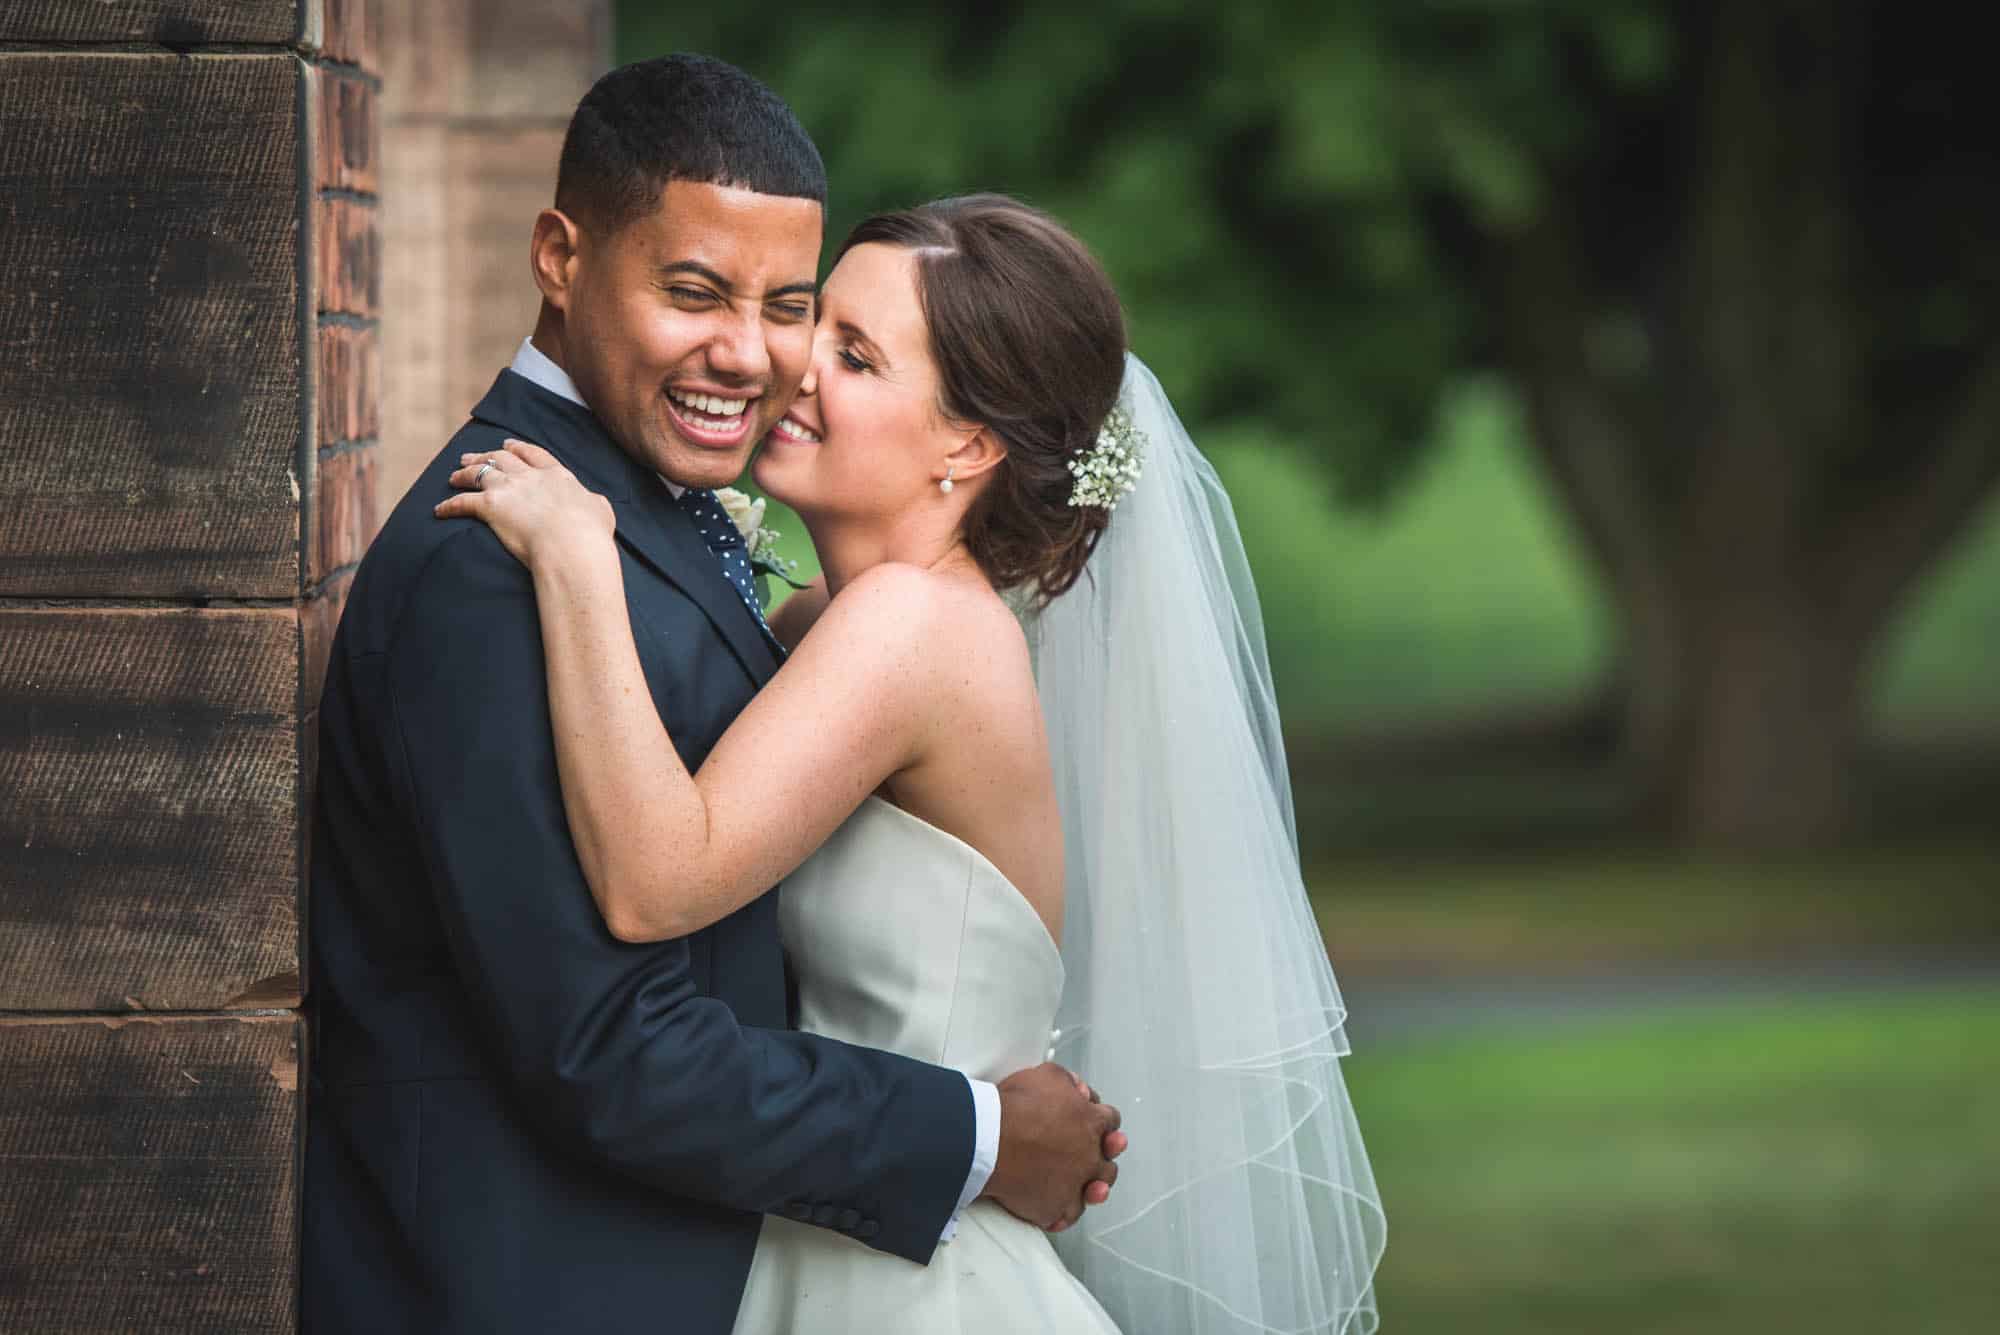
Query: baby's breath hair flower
{"points": [[1106, 472]]}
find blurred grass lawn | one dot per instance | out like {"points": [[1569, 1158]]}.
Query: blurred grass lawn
{"points": [[1829, 1167], [1577, 911]]}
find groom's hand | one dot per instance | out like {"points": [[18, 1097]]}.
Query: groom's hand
{"points": [[1057, 1144]]}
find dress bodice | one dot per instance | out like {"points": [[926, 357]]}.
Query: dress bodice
{"points": [[907, 938]]}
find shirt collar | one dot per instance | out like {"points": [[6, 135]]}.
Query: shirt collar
{"points": [[532, 364]]}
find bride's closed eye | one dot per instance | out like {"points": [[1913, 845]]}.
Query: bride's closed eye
{"points": [[855, 361]]}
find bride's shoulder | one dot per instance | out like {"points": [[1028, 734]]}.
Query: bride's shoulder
{"points": [[908, 604]]}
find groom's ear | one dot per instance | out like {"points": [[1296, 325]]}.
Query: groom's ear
{"points": [[981, 451], [553, 255]]}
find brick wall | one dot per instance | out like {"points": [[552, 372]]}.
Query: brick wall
{"points": [[189, 370]]}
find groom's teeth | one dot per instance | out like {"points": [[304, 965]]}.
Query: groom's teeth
{"points": [[711, 404]]}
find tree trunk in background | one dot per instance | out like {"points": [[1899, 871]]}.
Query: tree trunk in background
{"points": [[1742, 709], [1754, 563], [1769, 742], [1739, 682]]}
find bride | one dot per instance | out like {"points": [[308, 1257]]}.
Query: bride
{"points": [[1009, 719]]}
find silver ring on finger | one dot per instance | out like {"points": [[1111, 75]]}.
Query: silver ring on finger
{"points": [[479, 478]]}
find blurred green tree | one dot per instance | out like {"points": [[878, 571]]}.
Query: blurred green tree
{"points": [[1738, 261]]}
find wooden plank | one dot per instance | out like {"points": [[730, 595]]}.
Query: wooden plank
{"points": [[151, 1174], [149, 837], [149, 325], [167, 22]]}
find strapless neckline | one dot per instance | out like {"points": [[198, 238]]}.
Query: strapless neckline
{"points": [[1012, 891]]}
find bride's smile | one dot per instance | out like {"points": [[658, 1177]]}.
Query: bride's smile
{"points": [[867, 455], [865, 441]]}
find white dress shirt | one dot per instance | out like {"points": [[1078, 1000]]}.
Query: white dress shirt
{"points": [[532, 364]]}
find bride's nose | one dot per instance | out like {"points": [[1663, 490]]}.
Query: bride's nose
{"points": [[822, 341]]}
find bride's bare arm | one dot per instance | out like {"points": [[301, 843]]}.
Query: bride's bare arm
{"points": [[665, 852]]}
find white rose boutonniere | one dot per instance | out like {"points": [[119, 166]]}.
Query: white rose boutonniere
{"points": [[746, 514], [760, 544]]}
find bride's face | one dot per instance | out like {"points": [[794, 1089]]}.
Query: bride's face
{"points": [[864, 438]]}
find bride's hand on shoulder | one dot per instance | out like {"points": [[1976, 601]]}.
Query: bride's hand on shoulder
{"points": [[534, 505]]}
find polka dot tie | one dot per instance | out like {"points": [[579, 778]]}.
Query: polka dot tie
{"points": [[719, 531]]}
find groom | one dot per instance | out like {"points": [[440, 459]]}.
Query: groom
{"points": [[518, 1123]]}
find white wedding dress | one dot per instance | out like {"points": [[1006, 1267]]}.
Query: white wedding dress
{"points": [[908, 939], [1192, 985]]}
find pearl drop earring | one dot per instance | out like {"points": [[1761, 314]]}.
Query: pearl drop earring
{"points": [[945, 486]]}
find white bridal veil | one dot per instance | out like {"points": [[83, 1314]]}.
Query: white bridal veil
{"points": [[1199, 997]]}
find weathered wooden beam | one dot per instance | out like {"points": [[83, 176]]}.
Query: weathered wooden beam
{"points": [[166, 22], [150, 832], [345, 31], [151, 337], [149, 1174], [188, 370]]}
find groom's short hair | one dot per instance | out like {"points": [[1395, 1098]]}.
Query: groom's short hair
{"points": [[681, 117]]}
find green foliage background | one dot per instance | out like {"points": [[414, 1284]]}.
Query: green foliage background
{"points": [[1258, 179], [1254, 178]]}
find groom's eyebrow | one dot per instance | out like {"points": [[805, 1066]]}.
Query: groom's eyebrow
{"points": [[700, 270]]}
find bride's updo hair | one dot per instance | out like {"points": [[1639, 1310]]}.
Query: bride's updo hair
{"points": [[1029, 342]]}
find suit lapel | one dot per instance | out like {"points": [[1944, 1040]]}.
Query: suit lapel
{"points": [[650, 525], [660, 533]]}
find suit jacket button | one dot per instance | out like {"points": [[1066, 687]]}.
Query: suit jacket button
{"points": [[848, 1219], [869, 1228], [823, 1215], [797, 1210]]}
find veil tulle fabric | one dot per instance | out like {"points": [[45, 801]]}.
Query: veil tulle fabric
{"points": [[1199, 996]]}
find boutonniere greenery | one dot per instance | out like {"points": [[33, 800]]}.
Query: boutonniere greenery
{"points": [[760, 543]]}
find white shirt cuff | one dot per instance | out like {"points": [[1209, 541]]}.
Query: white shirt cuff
{"points": [[985, 1148]]}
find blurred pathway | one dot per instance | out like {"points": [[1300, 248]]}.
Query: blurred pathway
{"points": [[1384, 1010]]}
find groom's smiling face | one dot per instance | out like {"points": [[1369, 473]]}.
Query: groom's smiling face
{"points": [[688, 330]]}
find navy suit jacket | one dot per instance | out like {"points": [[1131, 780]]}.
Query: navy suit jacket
{"points": [[519, 1123]]}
